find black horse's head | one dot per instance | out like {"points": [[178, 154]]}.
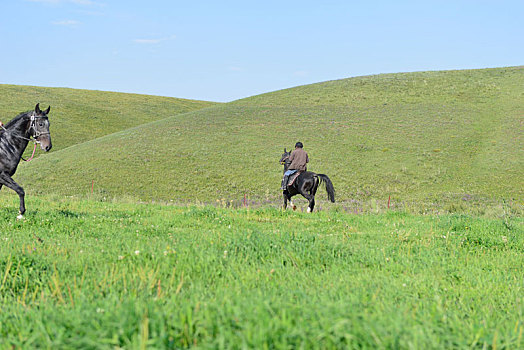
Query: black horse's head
{"points": [[284, 160], [39, 127]]}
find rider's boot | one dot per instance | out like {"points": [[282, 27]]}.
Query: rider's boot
{"points": [[284, 182]]}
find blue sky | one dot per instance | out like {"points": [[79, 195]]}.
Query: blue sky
{"points": [[225, 50]]}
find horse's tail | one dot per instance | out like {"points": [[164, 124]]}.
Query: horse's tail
{"points": [[329, 186]]}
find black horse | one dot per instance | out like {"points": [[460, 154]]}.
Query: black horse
{"points": [[305, 184], [14, 138]]}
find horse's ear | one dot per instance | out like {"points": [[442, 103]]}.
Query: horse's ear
{"points": [[47, 110], [285, 150], [37, 108]]}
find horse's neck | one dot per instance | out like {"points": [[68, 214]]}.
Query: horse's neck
{"points": [[16, 134]]}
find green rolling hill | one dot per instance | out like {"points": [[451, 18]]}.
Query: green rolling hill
{"points": [[78, 116], [436, 141]]}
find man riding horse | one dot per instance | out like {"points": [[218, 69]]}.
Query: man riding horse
{"points": [[299, 160], [306, 182]]}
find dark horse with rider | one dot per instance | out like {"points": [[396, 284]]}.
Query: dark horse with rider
{"points": [[297, 180]]}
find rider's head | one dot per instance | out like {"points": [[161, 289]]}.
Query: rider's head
{"points": [[299, 145]]}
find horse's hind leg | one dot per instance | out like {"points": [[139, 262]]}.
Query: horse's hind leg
{"points": [[311, 204], [308, 191], [311, 200], [6, 180]]}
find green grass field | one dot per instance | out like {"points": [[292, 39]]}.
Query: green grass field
{"points": [[137, 234], [437, 141], [94, 274]]}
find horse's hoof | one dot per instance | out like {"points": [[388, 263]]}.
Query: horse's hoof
{"points": [[308, 209], [294, 207], [20, 217]]}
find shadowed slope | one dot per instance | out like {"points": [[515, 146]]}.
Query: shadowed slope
{"points": [[431, 138]]}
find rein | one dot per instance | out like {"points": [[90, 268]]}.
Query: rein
{"points": [[32, 155]]}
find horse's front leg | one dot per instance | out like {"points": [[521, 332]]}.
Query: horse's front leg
{"points": [[284, 207], [8, 181], [287, 197], [292, 204]]}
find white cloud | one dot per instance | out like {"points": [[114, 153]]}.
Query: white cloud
{"points": [[67, 23], [77, 2], [235, 69], [148, 41], [152, 41], [82, 2], [46, 1]]}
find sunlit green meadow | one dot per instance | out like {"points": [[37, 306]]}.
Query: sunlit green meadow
{"points": [[115, 274], [440, 141], [154, 222]]}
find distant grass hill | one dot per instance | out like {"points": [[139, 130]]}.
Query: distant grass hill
{"points": [[431, 140], [81, 115]]}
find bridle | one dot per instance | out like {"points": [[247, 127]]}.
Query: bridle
{"points": [[36, 133], [284, 160], [32, 126], [32, 137]]}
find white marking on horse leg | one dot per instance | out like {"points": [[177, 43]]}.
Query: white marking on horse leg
{"points": [[308, 209], [20, 217]]}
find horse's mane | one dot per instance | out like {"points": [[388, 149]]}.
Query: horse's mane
{"points": [[16, 119], [13, 121]]}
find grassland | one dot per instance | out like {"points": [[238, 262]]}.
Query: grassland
{"points": [[78, 116], [432, 141], [93, 274], [95, 264]]}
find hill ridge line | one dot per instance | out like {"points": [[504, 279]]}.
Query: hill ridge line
{"points": [[106, 91], [127, 129]]}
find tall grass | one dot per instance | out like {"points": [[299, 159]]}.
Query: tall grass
{"points": [[95, 274]]}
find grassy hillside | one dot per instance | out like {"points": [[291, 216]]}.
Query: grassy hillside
{"points": [[81, 115], [436, 141], [84, 274]]}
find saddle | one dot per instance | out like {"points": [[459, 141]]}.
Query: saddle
{"points": [[293, 177]]}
